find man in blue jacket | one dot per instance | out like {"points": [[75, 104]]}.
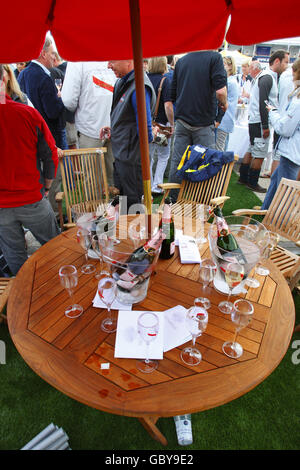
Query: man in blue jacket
{"points": [[35, 80]]}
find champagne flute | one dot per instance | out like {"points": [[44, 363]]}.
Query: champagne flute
{"points": [[203, 214], [196, 322], [97, 250], [148, 327], [136, 232], [266, 246], [58, 83], [107, 293], [241, 316], [69, 279], [250, 232], [234, 274], [84, 239], [207, 272]]}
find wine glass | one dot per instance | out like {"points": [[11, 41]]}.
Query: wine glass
{"points": [[203, 214], [241, 316], [84, 239], [97, 250], [69, 279], [250, 232], [234, 274], [266, 246], [202, 302], [196, 322], [148, 326], [107, 293], [58, 83], [207, 271], [136, 232]]}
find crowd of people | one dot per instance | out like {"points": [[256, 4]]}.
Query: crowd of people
{"points": [[51, 105]]}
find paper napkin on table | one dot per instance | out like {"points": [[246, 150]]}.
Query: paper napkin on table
{"points": [[188, 250], [175, 330], [172, 333], [129, 344], [116, 305]]}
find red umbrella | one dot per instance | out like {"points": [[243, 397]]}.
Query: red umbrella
{"points": [[101, 30]]}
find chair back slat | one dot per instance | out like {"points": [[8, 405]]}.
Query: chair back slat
{"points": [[283, 215], [84, 179]]}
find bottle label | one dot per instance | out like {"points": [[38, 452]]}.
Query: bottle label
{"points": [[184, 432], [222, 227], [155, 241], [166, 217]]}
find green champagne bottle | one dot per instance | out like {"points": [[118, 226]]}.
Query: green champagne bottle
{"points": [[105, 222], [168, 228], [139, 263], [226, 241]]}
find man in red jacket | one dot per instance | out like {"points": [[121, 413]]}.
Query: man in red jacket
{"points": [[29, 160]]}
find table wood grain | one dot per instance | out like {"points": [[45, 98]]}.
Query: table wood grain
{"points": [[68, 353]]}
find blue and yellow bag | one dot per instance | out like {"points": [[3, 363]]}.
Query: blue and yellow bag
{"points": [[200, 163]]}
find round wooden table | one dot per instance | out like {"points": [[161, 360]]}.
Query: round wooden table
{"points": [[67, 353]]}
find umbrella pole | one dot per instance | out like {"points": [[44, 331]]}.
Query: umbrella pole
{"points": [[136, 38]]}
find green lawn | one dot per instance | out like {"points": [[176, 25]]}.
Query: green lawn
{"points": [[265, 418]]}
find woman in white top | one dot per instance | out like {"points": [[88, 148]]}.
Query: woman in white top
{"points": [[287, 125]]}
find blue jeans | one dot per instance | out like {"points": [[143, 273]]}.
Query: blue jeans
{"points": [[38, 217], [286, 169], [184, 136]]}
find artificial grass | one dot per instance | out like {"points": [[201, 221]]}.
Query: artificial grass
{"points": [[266, 418]]}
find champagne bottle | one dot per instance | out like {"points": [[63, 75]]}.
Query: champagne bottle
{"points": [[226, 241], [167, 226], [139, 263], [109, 217]]}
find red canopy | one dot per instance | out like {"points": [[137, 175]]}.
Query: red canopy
{"points": [[100, 30]]}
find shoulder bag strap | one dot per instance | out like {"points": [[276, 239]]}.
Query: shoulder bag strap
{"points": [[158, 98]]}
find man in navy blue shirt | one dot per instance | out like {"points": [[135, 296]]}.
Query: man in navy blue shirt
{"points": [[36, 82], [198, 87]]}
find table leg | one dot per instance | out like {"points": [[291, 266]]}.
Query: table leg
{"points": [[150, 426]]}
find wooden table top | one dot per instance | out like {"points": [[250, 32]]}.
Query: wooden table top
{"points": [[67, 353]]}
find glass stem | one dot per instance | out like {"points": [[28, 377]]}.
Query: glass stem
{"points": [[228, 297], [109, 313], [147, 354], [193, 340], [235, 336], [70, 292]]}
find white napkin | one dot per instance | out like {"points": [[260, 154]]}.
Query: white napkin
{"points": [[116, 305], [188, 250], [129, 343], [175, 330], [172, 333]]}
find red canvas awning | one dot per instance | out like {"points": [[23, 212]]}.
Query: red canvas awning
{"points": [[101, 30]]}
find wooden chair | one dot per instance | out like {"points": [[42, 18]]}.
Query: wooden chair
{"points": [[283, 217], [5, 286], [212, 191], [84, 182]]}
